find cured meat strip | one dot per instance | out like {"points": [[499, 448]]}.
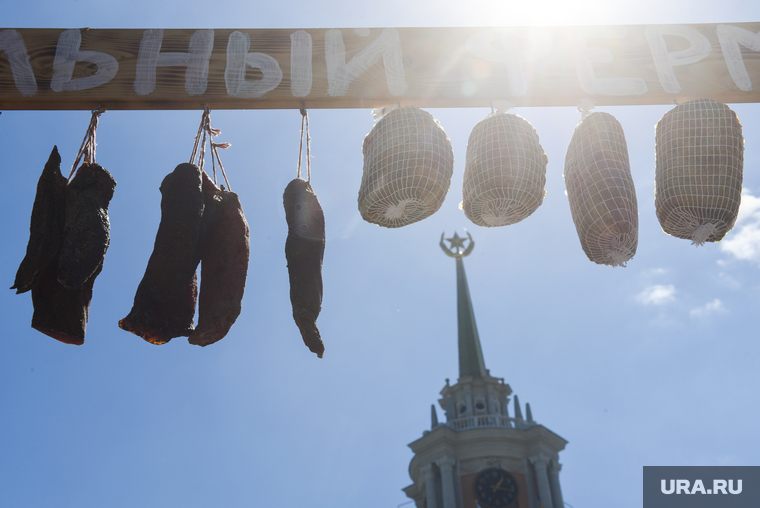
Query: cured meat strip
{"points": [[164, 304], [224, 267], [61, 312], [46, 225], [304, 250], [87, 230]]}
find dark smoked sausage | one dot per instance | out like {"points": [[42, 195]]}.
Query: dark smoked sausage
{"points": [[304, 250]]}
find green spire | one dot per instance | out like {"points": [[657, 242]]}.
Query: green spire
{"points": [[471, 362]]}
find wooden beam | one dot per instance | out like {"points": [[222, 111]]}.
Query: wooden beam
{"points": [[70, 69]]}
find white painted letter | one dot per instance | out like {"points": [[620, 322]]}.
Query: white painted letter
{"points": [[731, 487], [730, 37], [664, 489], [682, 486], [719, 485], [586, 57], [67, 54], [664, 60], [21, 68], [340, 74], [512, 52], [196, 61], [238, 59], [698, 487], [300, 63]]}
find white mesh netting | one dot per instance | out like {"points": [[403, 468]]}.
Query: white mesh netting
{"points": [[698, 170], [505, 171], [601, 191], [408, 162]]}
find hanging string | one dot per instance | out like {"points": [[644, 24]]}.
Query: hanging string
{"points": [[87, 149], [585, 106], [215, 153], [305, 122], [206, 131], [501, 106], [200, 138]]}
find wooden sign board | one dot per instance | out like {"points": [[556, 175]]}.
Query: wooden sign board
{"points": [[54, 69]]}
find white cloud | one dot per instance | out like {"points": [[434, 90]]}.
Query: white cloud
{"points": [[716, 306], [744, 242], [657, 295]]}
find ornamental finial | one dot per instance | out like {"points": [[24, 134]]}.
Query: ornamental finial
{"points": [[457, 249]]}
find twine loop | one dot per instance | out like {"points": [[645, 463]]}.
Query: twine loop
{"points": [[87, 149], [206, 131], [305, 123]]}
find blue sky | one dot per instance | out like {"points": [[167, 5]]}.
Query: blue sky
{"points": [[653, 364]]}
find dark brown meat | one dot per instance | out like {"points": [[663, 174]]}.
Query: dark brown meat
{"points": [[304, 250], [164, 304], [46, 227], [87, 230], [61, 312], [224, 267]]}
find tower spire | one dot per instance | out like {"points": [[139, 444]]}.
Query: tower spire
{"points": [[471, 363]]}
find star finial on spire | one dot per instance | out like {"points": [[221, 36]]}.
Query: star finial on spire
{"points": [[457, 249]]}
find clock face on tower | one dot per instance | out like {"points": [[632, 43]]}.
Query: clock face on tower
{"points": [[495, 488]]}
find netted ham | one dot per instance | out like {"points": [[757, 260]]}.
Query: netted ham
{"points": [[601, 190], [408, 163], [505, 171], [699, 170]]}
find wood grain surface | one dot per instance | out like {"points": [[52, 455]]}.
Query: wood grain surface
{"points": [[53, 69]]}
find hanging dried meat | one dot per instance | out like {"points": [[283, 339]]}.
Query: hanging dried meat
{"points": [[224, 265], [304, 250], [46, 227], [68, 239], [62, 312], [164, 305], [699, 170], [87, 230]]}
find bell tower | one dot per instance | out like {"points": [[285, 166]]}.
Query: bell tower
{"points": [[481, 457]]}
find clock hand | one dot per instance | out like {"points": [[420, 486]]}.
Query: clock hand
{"points": [[496, 487]]}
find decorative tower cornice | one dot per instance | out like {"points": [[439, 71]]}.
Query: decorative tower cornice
{"points": [[455, 461]]}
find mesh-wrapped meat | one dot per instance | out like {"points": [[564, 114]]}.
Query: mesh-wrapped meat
{"points": [[46, 227], [304, 250], [164, 305], [224, 268], [601, 190], [408, 163], [87, 230], [699, 170], [505, 171]]}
